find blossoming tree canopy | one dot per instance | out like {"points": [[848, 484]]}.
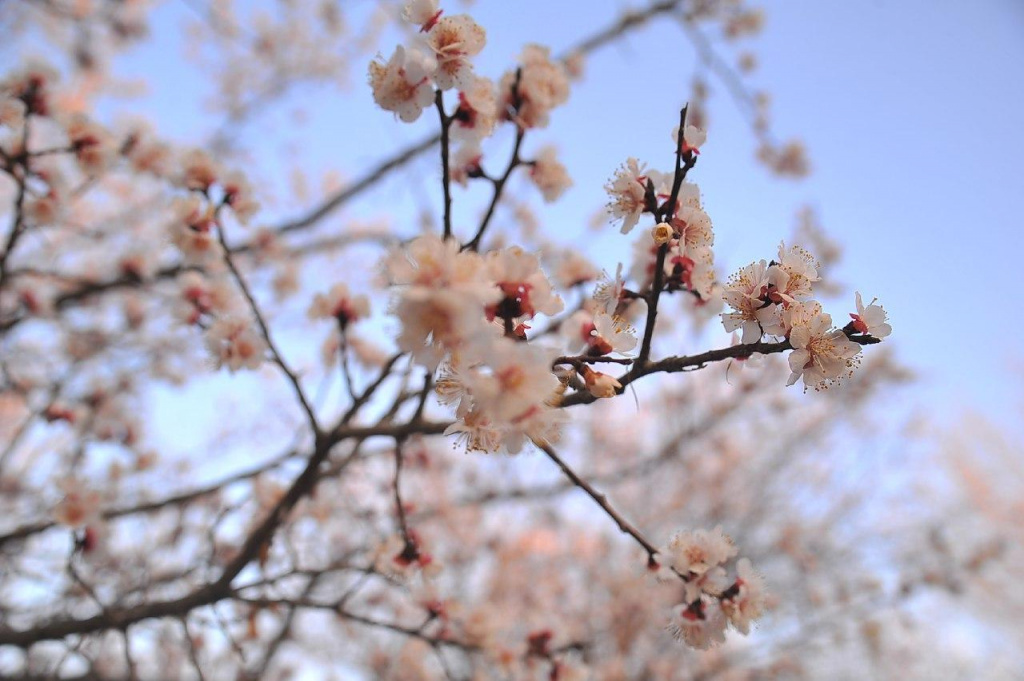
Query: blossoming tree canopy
{"points": [[468, 337], [473, 310]]}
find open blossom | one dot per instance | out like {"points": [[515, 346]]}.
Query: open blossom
{"points": [[549, 175], [235, 344], [543, 85], [478, 110], [693, 138], [465, 162], [95, 148], [431, 261], [820, 354], [871, 319], [454, 39], [444, 295], [743, 293], [694, 272], [789, 160], [192, 230], [745, 600], [33, 85], [451, 389], [696, 236], [435, 322], [518, 379], [505, 397], [200, 295], [608, 292], [542, 424], [791, 278], [524, 286], [79, 507], [402, 85], [599, 334], [423, 13], [12, 112], [199, 171], [627, 192], [474, 431], [612, 334], [339, 304], [699, 625], [699, 551], [238, 194]]}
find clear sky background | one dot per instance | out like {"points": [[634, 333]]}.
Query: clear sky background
{"points": [[911, 112]]}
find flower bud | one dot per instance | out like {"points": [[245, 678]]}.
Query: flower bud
{"points": [[662, 233], [599, 384]]}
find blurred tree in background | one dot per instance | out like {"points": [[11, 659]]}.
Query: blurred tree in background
{"points": [[269, 411]]}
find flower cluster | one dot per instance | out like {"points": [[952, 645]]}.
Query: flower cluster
{"points": [[533, 90], [687, 231], [473, 311], [774, 298], [712, 601], [340, 305], [405, 83], [440, 59]]}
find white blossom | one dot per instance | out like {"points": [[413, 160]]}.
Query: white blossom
{"points": [[454, 39], [235, 344], [402, 85], [745, 601], [626, 192], [870, 319], [699, 551], [821, 354]]}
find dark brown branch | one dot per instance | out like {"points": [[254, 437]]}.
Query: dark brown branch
{"points": [[499, 187], [652, 310], [220, 589], [694, 362], [446, 173]]}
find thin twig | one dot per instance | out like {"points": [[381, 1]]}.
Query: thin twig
{"points": [[265, 331], [624, 525]]}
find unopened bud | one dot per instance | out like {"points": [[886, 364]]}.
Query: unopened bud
{"points": [[599, 384], [662, 233]]}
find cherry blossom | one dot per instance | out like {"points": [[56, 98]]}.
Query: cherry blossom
{"points": [[627, 192], [338, 304], [699, 551], [822, 354], [745, 600], [543, 85], [235, 344], [870, 319], [549, 175], [743, 293], [454, 40], [423, 13], [403, 85]]}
